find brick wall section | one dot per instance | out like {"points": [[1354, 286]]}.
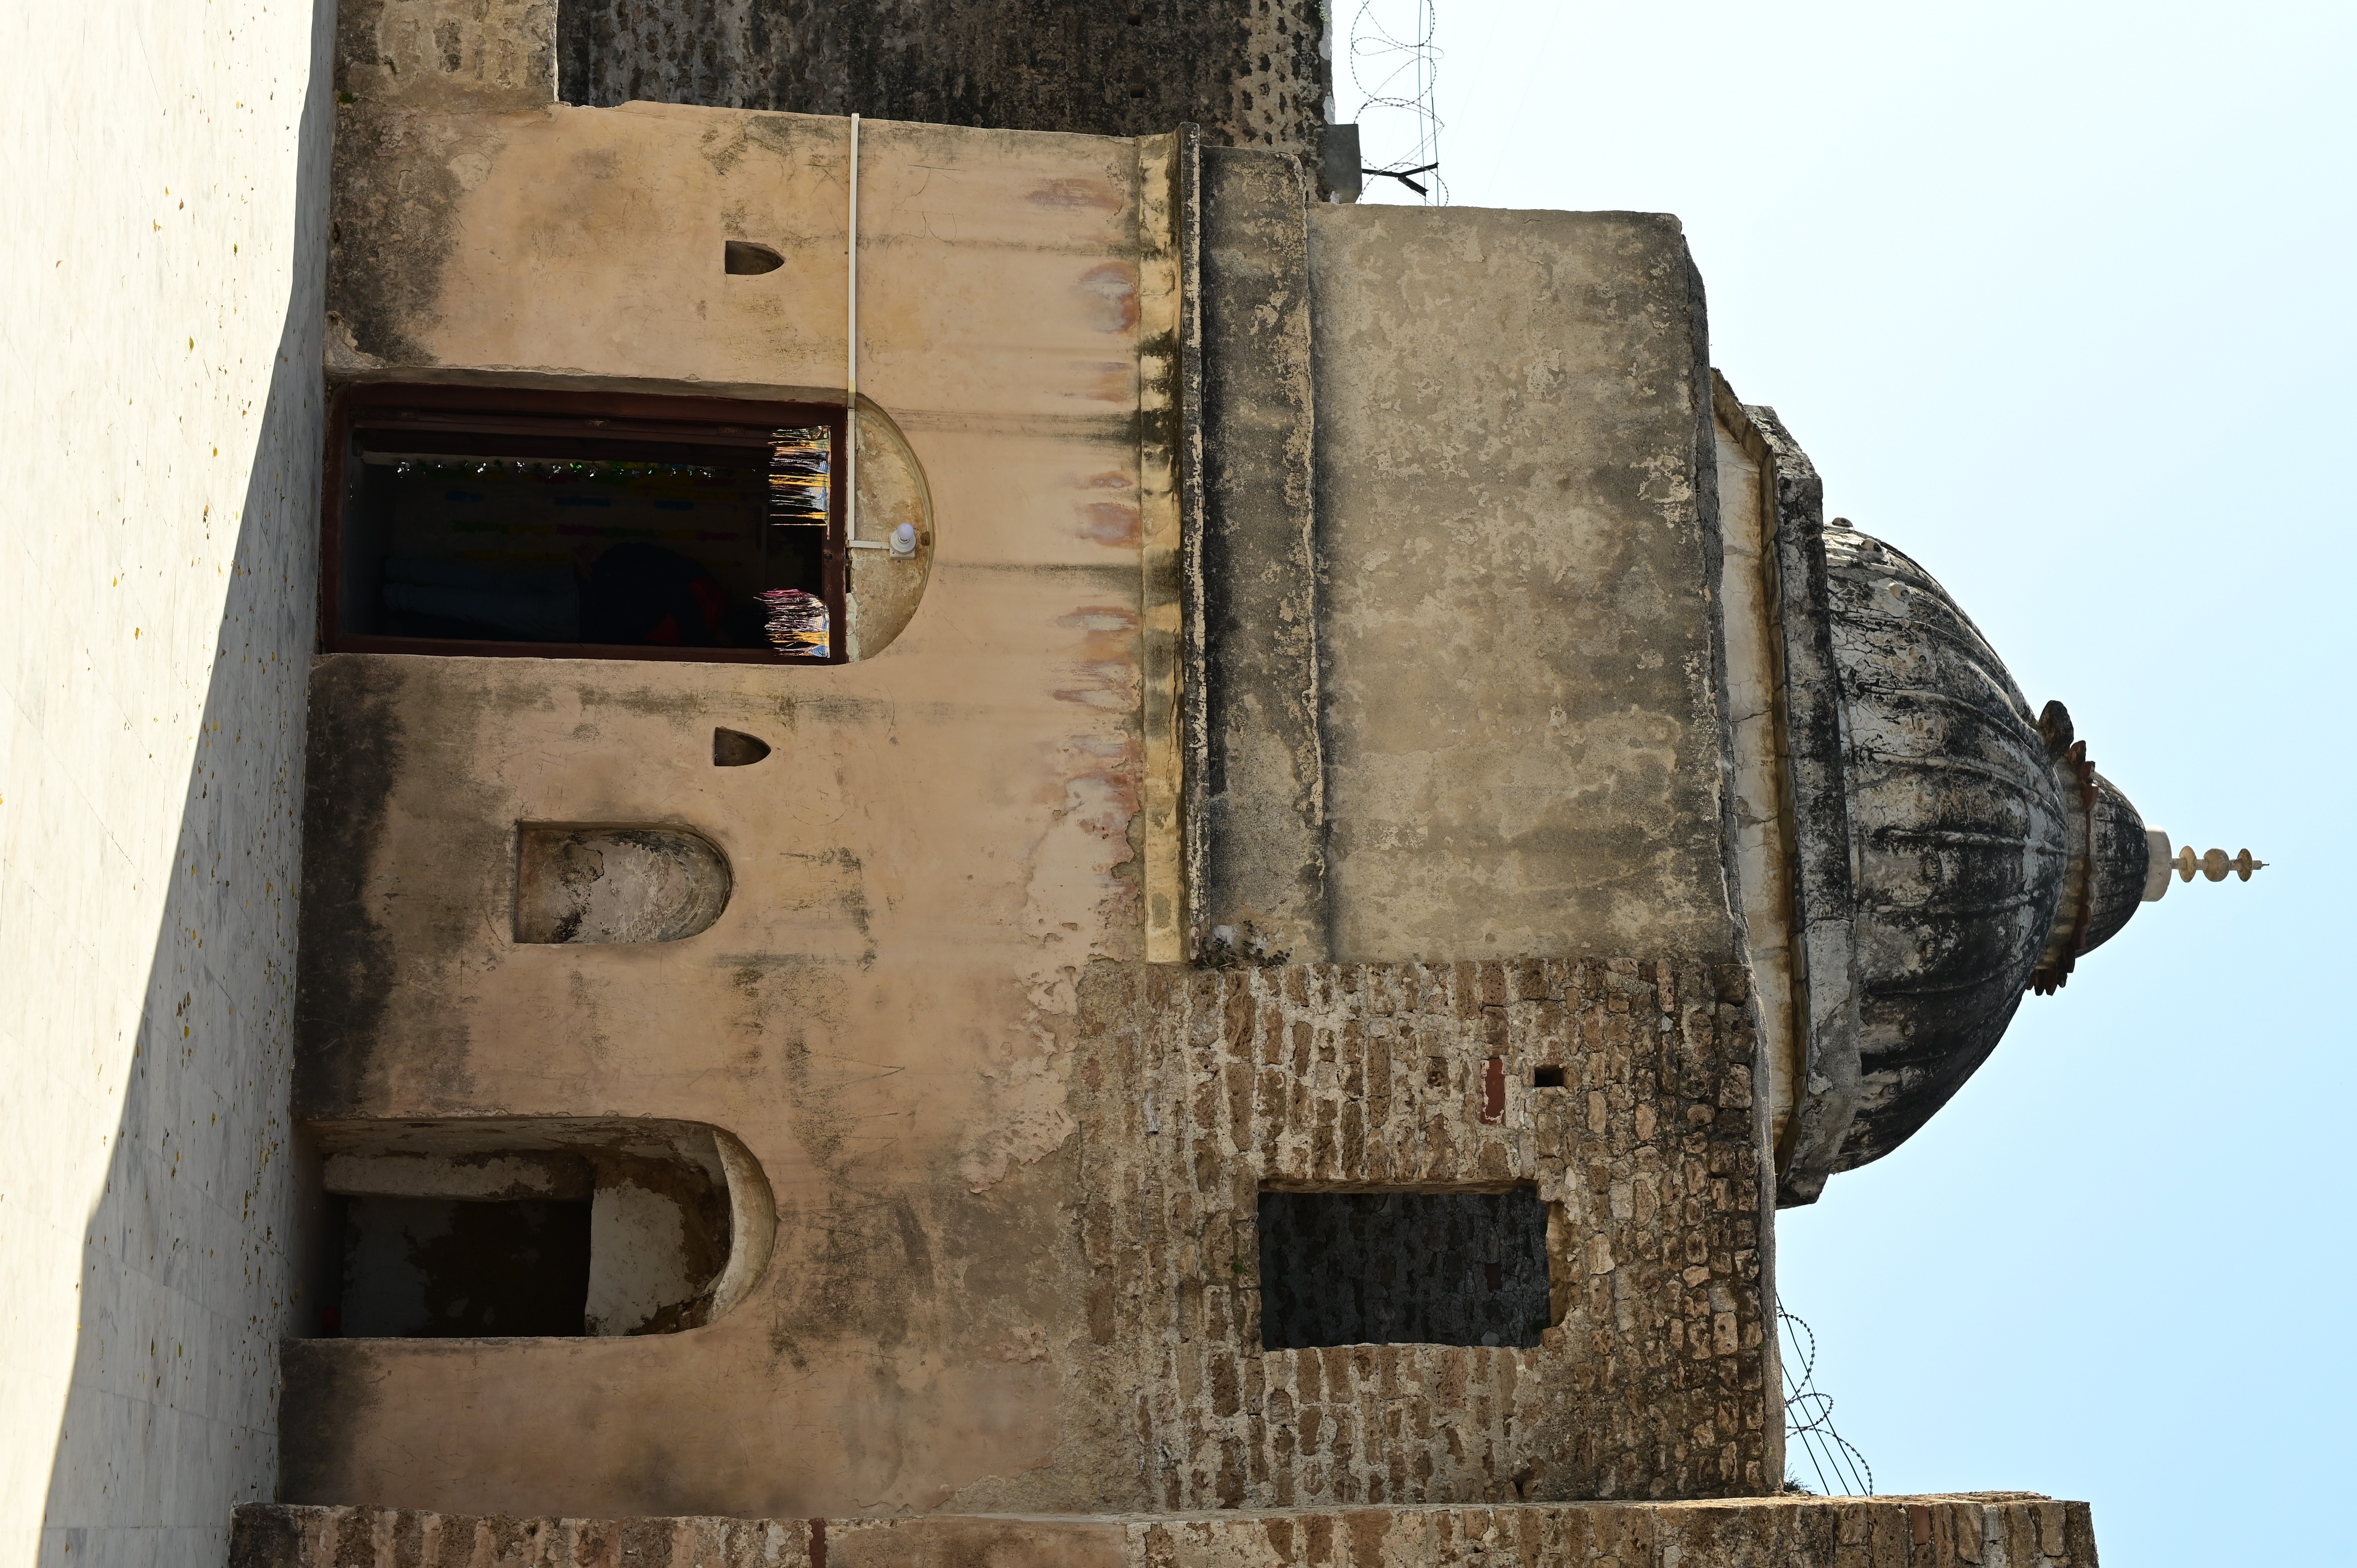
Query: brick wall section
{"points": [[1990, 1531], [1250, 72], [1199, 1087]]}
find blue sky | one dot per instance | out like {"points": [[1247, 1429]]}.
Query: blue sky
{"points": [[2059, 297]]}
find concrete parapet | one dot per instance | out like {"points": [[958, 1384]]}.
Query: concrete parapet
{"points": [[1988, 1529]]}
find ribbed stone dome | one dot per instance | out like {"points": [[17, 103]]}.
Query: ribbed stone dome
{"points": [[1988, 853]]}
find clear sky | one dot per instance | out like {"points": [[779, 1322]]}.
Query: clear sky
{"points": [[2059, 297]]}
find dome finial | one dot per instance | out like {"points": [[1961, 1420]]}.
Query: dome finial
{"points": [[2215, 865]]}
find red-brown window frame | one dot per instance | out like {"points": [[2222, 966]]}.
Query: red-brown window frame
{"points": [[447, 411]]}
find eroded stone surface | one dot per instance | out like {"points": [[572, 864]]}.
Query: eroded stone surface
{"points": [[1518, 556], [1258, 884], [1653, 1380], [1249, 72]]}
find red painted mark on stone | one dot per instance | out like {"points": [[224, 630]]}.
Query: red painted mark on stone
{"points": [[1497, 1273], [1111, 522], [1493, 1090], [1919, 1517], [818, 1543], [1111, 291]]}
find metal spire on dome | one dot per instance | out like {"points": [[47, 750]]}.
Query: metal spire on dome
{"points": [[2215, 864]]}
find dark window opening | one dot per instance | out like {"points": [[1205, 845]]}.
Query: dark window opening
{"points": [[1546, 1077], [1372, 1268], [478, 521], [427, 1268]]}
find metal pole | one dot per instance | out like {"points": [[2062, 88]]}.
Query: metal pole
{"points": [[851, 377]]}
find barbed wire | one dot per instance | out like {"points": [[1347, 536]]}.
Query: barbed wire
{"points": [[1404, 71], [1840, 1469]]}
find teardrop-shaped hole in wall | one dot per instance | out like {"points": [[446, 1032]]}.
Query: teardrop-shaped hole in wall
{"points": [[742, 258], [735, 748]]}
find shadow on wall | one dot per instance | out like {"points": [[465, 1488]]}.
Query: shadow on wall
{"points": [[171, 1415]]}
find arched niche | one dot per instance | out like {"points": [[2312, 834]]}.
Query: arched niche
{"points": [[534, 1227], [585, 883]]}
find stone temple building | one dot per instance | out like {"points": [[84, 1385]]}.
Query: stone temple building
{"points": [[1023, 842]]}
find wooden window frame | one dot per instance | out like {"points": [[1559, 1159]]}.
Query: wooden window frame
{"points": [[720, 424]]}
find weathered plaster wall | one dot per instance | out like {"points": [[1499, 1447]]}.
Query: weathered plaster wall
{"points": [[466, 244], [939, 844], [164, 222], [1988, 1529], [1250, 72], [923, 1008], [1519, 543]]}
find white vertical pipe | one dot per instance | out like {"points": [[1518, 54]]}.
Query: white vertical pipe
{"points": [[851, 540], [851, 369]]}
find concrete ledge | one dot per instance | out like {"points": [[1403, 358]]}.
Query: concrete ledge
{"points": [[1989, 1530]]}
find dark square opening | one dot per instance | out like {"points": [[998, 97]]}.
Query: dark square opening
{"points": [[477, 520], [1546, 1077], [1361, 1268], [431, 1268]]}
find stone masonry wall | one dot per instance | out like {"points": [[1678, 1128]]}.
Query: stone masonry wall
{"points": [[1250, 72], [1203, 1087], [1998, 1530]]}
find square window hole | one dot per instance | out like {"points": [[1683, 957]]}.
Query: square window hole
{"points": [[1431, 1267], [1546, 1077]]}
